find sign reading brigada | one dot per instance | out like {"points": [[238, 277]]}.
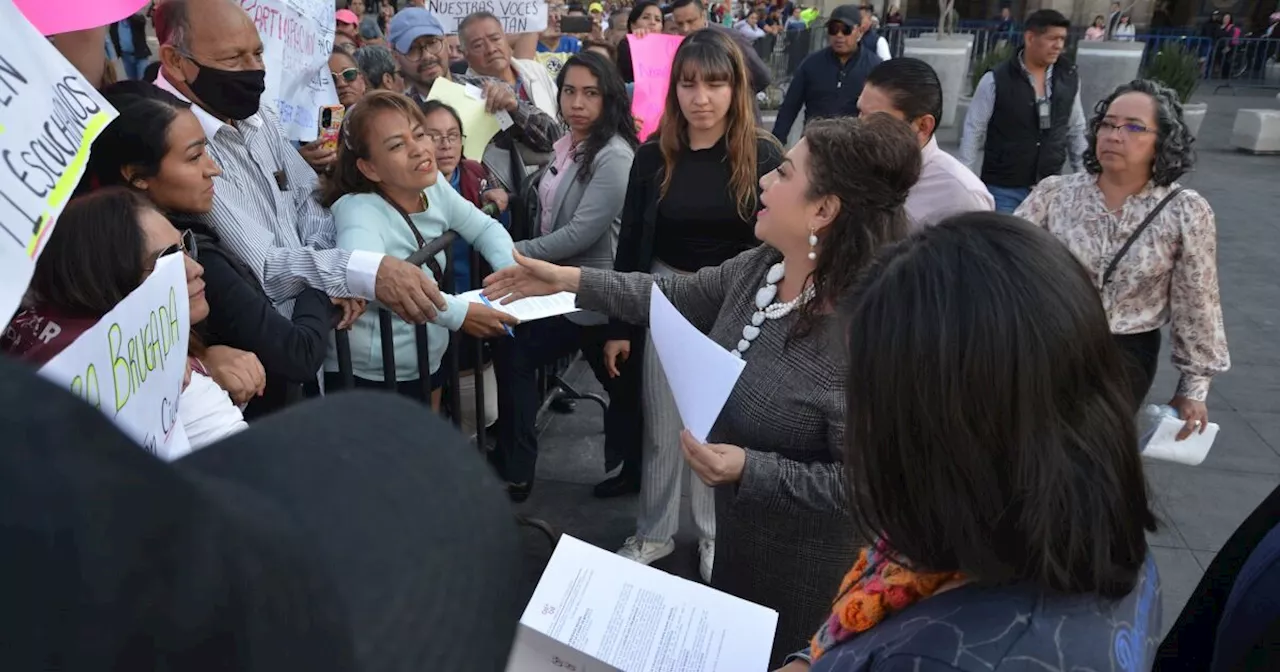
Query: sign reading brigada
{"points": [[49, 116]]}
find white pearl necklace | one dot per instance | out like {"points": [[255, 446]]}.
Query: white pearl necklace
{"points": [[766, 309]]}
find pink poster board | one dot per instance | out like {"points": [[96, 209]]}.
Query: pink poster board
{"points": [[651, 58], [51, 17]]}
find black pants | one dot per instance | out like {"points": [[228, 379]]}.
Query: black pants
{"points": [[1142, 356], [516, 363]]}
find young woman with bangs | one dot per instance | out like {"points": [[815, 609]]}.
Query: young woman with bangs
{"points": [[691, 203]]}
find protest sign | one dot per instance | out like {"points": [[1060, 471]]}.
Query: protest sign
{"points": [[466, 101], [297, 38], [517, 16], [49, 116], [51, 17], [130, 365], [651, 58]]}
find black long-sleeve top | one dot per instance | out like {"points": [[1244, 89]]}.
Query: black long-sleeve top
{"points": [[825, 87], [242, 317], [649, 230]]}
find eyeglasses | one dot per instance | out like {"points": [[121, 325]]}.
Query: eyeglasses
{"points": [[348, 75], [186, 244], [418, 50], [836, 27], [447, 139], [1125, 130]]}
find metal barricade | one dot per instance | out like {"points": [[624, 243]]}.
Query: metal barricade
{"points": [[1243, 63], [452, 404]]}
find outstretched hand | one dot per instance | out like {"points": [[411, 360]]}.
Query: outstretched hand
{"points": [[529, 277]]}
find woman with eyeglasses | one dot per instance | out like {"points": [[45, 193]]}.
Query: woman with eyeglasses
{"points": [[580, 199], [156, 147], [387, 197], [347, 78], [104, 246], [1149, 244]]}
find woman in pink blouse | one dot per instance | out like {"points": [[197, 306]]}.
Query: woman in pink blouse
{"points": [[1150, 245]]}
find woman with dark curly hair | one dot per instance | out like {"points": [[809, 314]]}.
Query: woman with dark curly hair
{"points": [[784, 531], [1150, 244]]}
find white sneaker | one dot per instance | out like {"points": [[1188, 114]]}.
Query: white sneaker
{"points": [[646, 552], [706, 558]]}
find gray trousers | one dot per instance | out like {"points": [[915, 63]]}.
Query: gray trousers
{"points": [[665, 469]]}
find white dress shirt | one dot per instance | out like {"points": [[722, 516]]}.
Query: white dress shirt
{"points": [[946, 187], [265, 212]]}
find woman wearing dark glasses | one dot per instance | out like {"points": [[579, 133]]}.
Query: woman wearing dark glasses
{"points": [[156, 148], [828, 82], [347, 78]]}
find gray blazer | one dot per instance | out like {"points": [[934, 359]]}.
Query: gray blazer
{"points": [[587, 216]]}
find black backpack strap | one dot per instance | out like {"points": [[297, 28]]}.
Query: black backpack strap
{"points": [[1133, 238]]}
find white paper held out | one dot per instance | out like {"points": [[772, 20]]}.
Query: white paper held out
{"points": [[701, 373]]}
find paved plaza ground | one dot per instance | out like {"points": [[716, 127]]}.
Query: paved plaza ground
{"points": [[1199, 506]]}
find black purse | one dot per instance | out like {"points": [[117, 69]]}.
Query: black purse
{"points": [[1151, 216]]}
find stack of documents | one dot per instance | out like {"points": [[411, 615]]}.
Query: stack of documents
{"points": [[594, 611], [532, 308]]}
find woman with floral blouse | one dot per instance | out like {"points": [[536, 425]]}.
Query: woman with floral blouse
{"points": [[1138, 148]]}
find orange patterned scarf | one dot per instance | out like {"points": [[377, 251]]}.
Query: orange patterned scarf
{"points": [[875, 589]]}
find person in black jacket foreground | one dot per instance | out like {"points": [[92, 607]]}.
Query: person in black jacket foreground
{"points": [[157, 147]]}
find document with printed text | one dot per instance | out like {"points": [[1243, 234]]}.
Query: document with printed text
{"points": [[532, 308], [594, 611]]}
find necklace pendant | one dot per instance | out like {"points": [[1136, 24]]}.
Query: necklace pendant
{"points": [[765, 296], [775, 273]]}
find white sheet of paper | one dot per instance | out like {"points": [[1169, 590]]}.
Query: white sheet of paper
{"points": [[701, 373], [1164, 444], [594, 611], [532, 308]]}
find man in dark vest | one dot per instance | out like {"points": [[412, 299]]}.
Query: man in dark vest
{"points": [[1026, 117]]}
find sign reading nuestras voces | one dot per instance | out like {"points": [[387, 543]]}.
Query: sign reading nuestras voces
{"points": [[297, 38], [517, 16], [131, 364], [49, 116]]}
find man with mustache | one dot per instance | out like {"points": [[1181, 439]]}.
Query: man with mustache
{"points": [[418, 41]]}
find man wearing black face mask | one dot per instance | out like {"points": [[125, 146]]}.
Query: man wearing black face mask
{"points": [[263, 209]]}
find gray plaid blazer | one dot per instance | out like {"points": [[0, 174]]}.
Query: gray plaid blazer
{"points": [[784, 536]]}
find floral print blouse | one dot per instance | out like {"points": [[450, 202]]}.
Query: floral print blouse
{"points": [[1169, 274]]}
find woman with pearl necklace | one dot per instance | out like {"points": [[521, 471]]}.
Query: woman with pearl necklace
{"points": [[784, 532]]}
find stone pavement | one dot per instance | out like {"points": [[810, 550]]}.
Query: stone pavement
{"points": [[1199, 506]]}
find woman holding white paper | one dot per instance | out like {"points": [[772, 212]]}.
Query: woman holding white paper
{"points": [[691, 204], [387, 196], [785, 535], [580, 197]]}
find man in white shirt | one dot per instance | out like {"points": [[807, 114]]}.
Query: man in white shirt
{"points": [[908, 88], [264, 208], [488, 53]]}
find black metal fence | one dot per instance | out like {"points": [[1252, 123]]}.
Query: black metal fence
{"points": [[1225, 62]]}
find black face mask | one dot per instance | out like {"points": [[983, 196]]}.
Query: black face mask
{"points": [[235, 94]]}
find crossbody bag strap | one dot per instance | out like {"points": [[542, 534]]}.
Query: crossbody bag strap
{"points": [[417, 236], [1133, 238]]}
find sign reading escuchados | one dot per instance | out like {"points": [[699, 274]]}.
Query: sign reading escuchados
{"points": [[49, 116]]}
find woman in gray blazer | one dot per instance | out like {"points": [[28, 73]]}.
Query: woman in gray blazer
{"points": [[580, 196]]}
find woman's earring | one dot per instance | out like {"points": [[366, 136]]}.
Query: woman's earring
{"points": [[142, 186], [813, 245]]}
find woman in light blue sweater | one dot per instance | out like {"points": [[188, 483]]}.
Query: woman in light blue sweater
{"points": [[387, 196]]}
